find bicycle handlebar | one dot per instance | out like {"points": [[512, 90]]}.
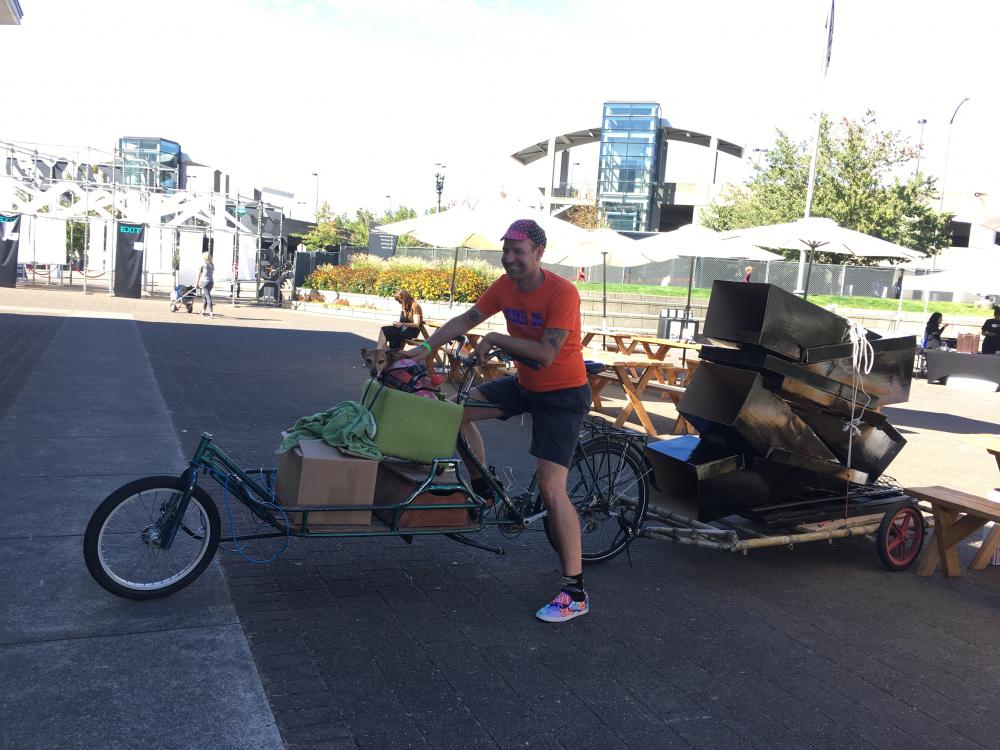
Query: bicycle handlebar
{"points": [[472, 360]]}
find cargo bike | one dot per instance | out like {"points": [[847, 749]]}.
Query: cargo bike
{"points": [[156, 535]]}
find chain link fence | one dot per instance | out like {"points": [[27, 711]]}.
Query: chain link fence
{"points": [[840, 280]]}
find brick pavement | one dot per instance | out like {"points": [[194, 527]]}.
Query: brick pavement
{"points": [[363, 643]]}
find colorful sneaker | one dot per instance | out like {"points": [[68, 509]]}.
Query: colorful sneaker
{"points": [[563, 608]]}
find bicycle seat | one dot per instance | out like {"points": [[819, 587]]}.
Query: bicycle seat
{"points": [[593, 368]]}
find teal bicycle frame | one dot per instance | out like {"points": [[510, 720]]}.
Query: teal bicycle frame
{"points": [[258, 494]]}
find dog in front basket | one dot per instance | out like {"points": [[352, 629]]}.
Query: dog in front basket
{"points": [[400, 374]]}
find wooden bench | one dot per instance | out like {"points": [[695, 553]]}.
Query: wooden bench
{"points": [[957, 515], [600, 380]]}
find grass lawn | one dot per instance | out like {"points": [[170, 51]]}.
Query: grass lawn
{"points": [[861, 303]]}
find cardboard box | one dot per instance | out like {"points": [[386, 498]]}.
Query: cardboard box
{"points": [[396, 480], [314, 473]]}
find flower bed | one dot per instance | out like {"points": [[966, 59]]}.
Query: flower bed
{"points": [[430, 283]]}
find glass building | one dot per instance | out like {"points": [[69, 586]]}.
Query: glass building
{"points": [[151, 162], [629, 164]]}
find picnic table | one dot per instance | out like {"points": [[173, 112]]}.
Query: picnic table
{"points": [[617, 368], [587, 334], [663, 346], [957, 515]]}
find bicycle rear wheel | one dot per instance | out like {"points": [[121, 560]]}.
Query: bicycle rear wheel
{"points": [[607, 486], [121, 546]]}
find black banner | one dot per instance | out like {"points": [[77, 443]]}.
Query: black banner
{"points": [[381, 244], [10, 236], [128, 260]]}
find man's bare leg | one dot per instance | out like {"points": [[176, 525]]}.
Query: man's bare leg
{"points": [[564, 523], [471, 433]]}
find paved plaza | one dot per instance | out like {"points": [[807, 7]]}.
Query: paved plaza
{"points": [[377, 643]]}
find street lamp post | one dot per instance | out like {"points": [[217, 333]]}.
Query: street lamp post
{"points": [[920, 144], [316, 211], [439, 183], [389, 200]]}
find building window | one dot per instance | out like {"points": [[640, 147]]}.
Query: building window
{"points": [[151, 162], [627, 165], [960, 231]]}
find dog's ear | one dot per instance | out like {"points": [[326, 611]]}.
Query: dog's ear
{"points": [[394, 355]]}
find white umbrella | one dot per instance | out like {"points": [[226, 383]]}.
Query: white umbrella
{"points": [[815, 233], [482, 228], [695, 241], [606, 247]]}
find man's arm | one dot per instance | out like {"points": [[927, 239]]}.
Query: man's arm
{"points": [[457, 326], [544, 351]]}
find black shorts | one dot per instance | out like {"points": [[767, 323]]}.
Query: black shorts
{"points": [[556, 416], [395, 335]]}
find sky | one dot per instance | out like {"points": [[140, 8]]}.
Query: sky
{"points": [[371, 94]]}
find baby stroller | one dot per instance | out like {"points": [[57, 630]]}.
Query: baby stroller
{"points": [[182, 295]]}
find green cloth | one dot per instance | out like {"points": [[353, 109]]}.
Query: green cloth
{"points": [[348, 426]]}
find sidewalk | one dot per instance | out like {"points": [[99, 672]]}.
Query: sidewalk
{"points": [[82, 668], [376, 643]]}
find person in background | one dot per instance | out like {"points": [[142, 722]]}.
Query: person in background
{"points": [[205, 281], [411, 317], [933, 331], [991, 332], [581, 275], [746, 274]]}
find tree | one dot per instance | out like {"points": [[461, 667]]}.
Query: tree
{"points": [[585, 217], [858, 185], [344, 229], [327, 231]]}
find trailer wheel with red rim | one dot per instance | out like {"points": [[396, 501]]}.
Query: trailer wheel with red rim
{"points": [[900, 536]]}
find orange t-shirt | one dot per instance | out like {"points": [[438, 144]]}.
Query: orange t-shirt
{"points": [[554, 304]]}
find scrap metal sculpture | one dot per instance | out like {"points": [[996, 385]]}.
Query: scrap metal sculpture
{"points": [[789, 430]]}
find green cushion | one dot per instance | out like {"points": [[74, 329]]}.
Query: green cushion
{"points": [[412, 427]]}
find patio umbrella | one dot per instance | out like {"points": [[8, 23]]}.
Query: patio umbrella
{"points": [[695, 241], [606, 247], [814, 232], [482, 228]]}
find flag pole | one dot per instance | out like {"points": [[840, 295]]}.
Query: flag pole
{"points": [[811, 184]]}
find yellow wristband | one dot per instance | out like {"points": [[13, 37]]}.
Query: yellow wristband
{"points": [[425, 345]]}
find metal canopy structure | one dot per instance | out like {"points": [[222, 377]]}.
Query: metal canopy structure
{"points": [[10, 13], [540, 150]]}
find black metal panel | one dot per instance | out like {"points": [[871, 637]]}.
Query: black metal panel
{"points": [[892, 369], [791, 380], [861, 501], [727, 400], [871, 451], [768, 316]]}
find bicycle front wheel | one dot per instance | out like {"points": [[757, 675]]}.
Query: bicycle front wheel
{"points": [[607, 486], [121, 544]]}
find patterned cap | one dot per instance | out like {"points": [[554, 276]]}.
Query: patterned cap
{"points": [[525, 229]]}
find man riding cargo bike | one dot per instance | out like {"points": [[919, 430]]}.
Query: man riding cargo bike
{"points": [[543, 325], [155, 535]]}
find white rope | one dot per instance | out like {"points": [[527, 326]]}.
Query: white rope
{"points": [[862, 359]]}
